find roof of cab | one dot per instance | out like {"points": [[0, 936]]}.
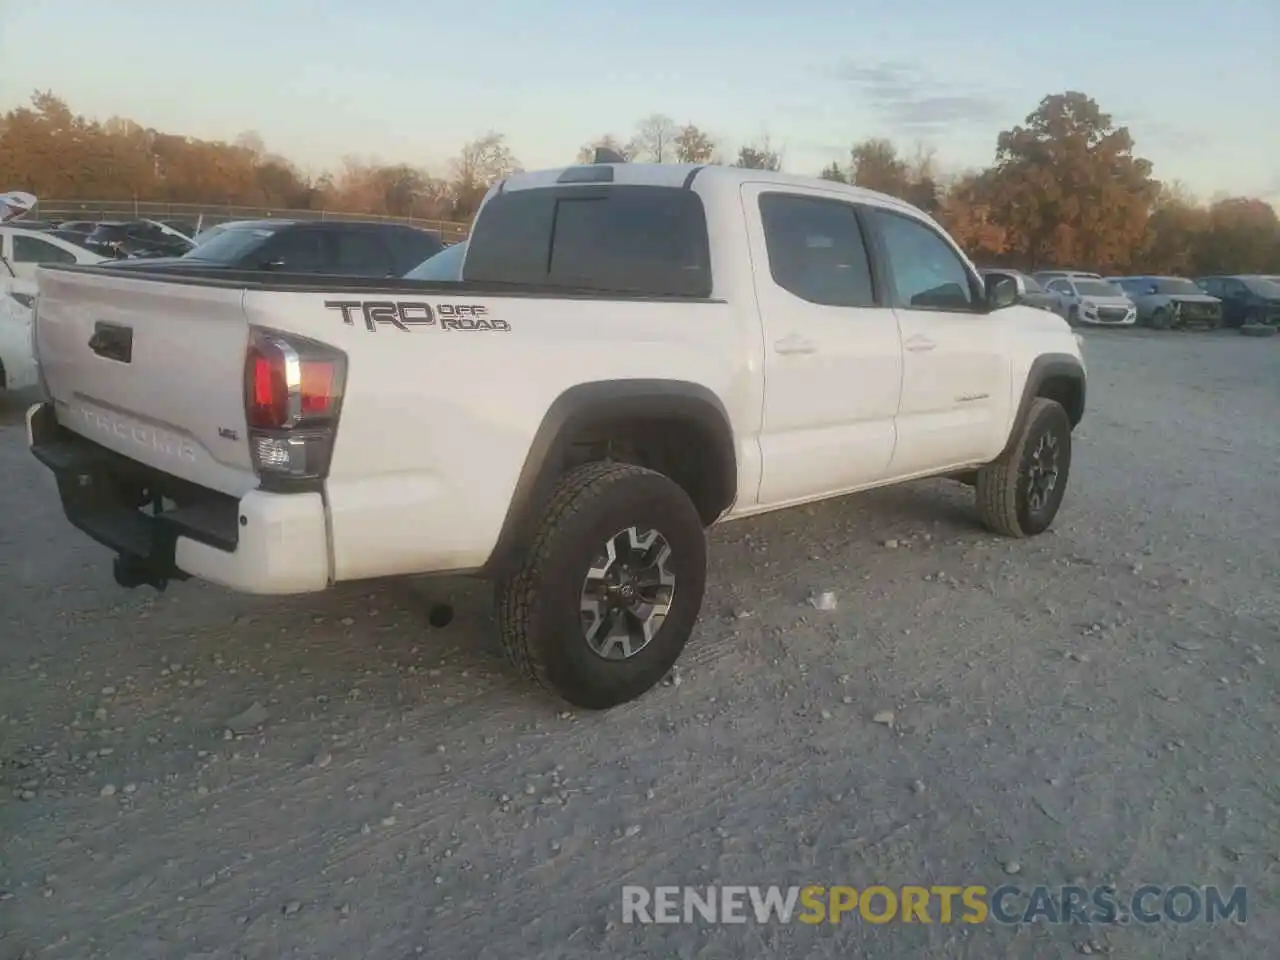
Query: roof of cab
{"points": [[687, 174]]}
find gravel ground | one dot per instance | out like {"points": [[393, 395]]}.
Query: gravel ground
{"points": [[1098, 704]]}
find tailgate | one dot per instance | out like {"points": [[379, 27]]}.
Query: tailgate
{"points": [[151, 369]]}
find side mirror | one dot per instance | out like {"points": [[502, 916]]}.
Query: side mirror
{"points": [[1001, 291]]}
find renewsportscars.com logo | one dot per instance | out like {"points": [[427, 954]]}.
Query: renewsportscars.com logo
{"points": [[970, 904]]}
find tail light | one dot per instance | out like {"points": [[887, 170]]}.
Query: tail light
{"points": [[293, 390]]}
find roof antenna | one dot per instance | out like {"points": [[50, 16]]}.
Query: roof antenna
{"points": [[606, 155]]}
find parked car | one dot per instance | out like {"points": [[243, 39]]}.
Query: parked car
{"points": [[1246, 299], [17, 360], [1044, 276], [1091, 300], [1166, 303], [24, 250], [137, 238], [1029, 290], [354, 248], [569, 420]]}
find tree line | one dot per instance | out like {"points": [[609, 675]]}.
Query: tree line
{"points": [[1065, 187]]}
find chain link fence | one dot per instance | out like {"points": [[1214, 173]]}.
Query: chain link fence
{"points": [[206, 215]]}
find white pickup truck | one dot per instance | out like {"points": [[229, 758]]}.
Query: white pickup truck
{"points": [[634, 353]]}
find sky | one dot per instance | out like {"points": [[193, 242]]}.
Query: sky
{"points": [[1196, 82]]}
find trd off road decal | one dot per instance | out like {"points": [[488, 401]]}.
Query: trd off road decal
{"points": [[406, 314]]}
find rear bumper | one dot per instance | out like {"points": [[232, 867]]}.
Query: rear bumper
{"points": [[262, 543]]}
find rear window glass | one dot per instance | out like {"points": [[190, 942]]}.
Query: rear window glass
{"points": [[445, 265], [618, 239], [231, 245]]}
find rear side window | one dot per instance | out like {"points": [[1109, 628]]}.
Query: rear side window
{"points": [[31, 250], [618, 239], [816, 251]]}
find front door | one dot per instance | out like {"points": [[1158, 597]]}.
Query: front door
{"points": [[833, 358], [956, 374]]}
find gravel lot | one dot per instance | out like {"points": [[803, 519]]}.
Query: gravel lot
{"points": [[1096, 704]]}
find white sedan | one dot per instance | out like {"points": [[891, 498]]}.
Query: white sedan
{"points": [[21, 253]]}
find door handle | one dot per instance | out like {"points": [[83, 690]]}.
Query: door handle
{"points": [[794, 344], [919, 344]]}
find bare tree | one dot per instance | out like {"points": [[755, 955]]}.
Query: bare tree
{"points": [[654, 141]]}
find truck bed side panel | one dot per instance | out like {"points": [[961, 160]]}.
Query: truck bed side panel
{"points": [[437, 421]]}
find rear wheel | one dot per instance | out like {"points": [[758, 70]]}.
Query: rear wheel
{"points": [[1019, 494], [609, 591]]}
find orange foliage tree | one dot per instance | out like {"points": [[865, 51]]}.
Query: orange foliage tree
{"points": [[1065, 189]]}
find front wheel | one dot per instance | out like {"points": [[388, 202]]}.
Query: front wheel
{"points": [[609, 591], [1160, 320], [1019, 494]]}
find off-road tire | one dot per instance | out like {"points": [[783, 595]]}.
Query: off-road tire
{"points": [[1002, 489], [539, 605]]}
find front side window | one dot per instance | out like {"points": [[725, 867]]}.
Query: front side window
{"points": [[300, 250], [1261, 287], [816, 250], [361, 254], [927, 272]]}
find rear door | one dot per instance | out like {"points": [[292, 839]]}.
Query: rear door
{"points": [[833, 358], [955, 369], [151, 370]]}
